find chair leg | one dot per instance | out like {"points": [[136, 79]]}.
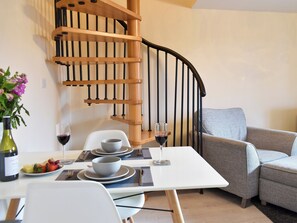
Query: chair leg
{"points": [[264, 203], [131, 220], [245, 202]]}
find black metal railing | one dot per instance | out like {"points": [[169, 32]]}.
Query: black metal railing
{"points": [[172, 87]]}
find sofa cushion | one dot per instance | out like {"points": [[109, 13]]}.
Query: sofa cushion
{"points": [[226, 123], [283, 171], [269, 155]]}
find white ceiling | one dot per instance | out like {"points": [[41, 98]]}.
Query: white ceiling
{"points": [[249, 5]]}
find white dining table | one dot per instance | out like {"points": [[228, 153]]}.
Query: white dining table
{"points": [[188, 170]]}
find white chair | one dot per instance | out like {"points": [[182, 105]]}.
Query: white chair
{"points": [[93, 141], [73, 201]]}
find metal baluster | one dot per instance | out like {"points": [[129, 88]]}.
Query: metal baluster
{"points": [[66, 42], [166, 88], [166, 91], [193, 114], [57, 39], [106, 55], [114, 69], [97, 65], [175, 102], [158, 88], [188, 105], [199, 110], [79, 48], [88, 55], [72, 48], [149, 87], [62, 19], [182, 105], [124, 77]]}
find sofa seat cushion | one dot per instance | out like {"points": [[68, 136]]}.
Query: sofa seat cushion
{"points": [[283, 171], [269, 155]]}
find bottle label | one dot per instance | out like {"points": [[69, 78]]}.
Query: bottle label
{"points": [[11, 165]]}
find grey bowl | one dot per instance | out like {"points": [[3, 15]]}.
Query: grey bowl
{"points": [[111, 145], [106, 166]]}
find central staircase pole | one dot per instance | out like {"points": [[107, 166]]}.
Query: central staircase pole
{"points": [[134, 50]]}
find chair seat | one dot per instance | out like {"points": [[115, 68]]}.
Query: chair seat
{"points": [[269, 155], [134, 201]]}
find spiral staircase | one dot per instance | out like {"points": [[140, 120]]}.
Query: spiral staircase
{"points": [[100, 44]]}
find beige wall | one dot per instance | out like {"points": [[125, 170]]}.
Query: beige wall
{"points": [[24, 46], [246, 59]]}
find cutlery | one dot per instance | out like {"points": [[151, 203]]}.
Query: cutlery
{"points": [[140, 176], [139, 152], [83, 156], [69, 174]]}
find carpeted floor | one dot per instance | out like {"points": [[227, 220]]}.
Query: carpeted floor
{"points": [[274, 213]]}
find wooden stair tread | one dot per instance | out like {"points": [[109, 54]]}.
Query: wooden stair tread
{"points": [[112, 101], [146, 137], [92, 82], [95, 60], [75, 34], [125, 120], [105, 8]]}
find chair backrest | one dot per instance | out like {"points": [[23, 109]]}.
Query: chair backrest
{"points": [[94, 139], [73, 201], [226, 123]]}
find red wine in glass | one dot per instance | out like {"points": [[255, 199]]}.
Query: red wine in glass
{"points": [[161, 139], [161, 135], [63, 139], [63, 135]]}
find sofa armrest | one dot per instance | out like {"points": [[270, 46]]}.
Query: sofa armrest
{"points": [[270, 139], [237, 161]]}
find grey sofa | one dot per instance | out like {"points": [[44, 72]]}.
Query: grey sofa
{"points": [[237, 151]]}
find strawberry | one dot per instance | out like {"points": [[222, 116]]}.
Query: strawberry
{"points": [[52, 161], [43, 168], [52, 167]]}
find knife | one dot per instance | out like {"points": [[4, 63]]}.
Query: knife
{"points": [[140, 176]]}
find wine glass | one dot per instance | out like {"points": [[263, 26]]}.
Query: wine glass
{"points": [[161, 134], [63, 133]]}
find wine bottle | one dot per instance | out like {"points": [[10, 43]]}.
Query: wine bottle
{"points": [[9, 163]]}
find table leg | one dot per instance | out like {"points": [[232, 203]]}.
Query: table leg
{"points": [[173, 202], [12, 209]]}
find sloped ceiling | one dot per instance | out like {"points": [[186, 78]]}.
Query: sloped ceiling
{"points": [[249, 5]]}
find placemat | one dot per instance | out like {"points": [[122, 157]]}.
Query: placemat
{"points": [[144, 153], [142, 177]]}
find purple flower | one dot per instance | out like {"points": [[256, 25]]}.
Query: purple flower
{"points": [[1, 91], [23, 78], [19, 89]]}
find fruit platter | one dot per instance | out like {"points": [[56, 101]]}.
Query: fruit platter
{"points": [[37, 169]]}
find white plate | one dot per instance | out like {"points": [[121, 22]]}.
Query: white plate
{"points": [[42, 174], [90, 173], [129, 151], [81, 176], [102, 152]]}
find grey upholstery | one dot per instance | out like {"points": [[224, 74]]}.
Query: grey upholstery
{"points": [[278, 183], [232, 148]]}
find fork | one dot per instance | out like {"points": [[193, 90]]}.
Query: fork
{"points": [[69, 174]]}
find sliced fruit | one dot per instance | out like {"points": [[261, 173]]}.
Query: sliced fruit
{"points": [[28, 168]]}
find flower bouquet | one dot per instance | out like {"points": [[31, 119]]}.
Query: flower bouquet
{"points": [[12, 87]]}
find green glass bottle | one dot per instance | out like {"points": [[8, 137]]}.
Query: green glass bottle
{"points": [[9, 162]]}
